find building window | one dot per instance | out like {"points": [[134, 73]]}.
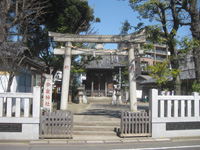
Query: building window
{"points": [[22, 79], [24, 83]]}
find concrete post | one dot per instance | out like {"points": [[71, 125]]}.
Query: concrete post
{"points": [[36, 101], [196, 104], [132, 82], [66, 76], [154, 103]]}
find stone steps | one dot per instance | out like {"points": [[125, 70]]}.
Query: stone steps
{"points": [[99, 100], [95, 133], [95, 128], [97, 123], [98, 120]]}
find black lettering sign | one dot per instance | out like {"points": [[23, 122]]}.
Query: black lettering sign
{"points": [[10, 127], [183, 125]]}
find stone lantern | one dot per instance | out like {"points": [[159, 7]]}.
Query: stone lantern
{"points": [[80, 94], [116, 96]]}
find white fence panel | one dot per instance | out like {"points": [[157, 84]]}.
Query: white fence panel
{"points": [[19, 115], [175, 116]]}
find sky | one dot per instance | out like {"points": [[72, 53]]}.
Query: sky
{"points": [[112, 14]]}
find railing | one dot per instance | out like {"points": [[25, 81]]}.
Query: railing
{"points": [[169, 111], [161, 51], [159, 58], [56, 125], [23, 110], [135, 124]]}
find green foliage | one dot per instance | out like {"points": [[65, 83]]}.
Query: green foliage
{"points": [[196, 86], [125, 28], [69, 16], [162, 73], [148, 9], [187, 44], [65, 16], [125, 75], [155, 35], [77, 69], [139, 26], [148, 46]]}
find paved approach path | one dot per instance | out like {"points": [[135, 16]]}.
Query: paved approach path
{"points": [[101, 110]]}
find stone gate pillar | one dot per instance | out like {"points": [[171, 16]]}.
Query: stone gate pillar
{"points": [[66, 76], [132, 78]]}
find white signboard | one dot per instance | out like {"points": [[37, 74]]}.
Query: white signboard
{"points": [[139, 93], [47, 99]]}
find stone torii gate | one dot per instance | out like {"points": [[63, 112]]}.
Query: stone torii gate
{"points": [[67, 51]]}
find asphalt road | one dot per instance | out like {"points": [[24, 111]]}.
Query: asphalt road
{"points": [[186, 144]]}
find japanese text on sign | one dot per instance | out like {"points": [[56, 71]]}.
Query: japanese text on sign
{"points": [[47, 92]]}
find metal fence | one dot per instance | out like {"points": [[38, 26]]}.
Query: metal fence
{"points": [[135, 124], [57, 124]]}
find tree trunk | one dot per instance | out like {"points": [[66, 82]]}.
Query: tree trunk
{"points": [[175, 65], [159, 89], [195, 29], [3, 21], [196, 54], [177, 85], [11, 77]]}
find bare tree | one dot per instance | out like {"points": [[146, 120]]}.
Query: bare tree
{"points": [[11, 55], [17, 17]]}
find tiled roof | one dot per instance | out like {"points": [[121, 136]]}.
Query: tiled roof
{"points": [[108, 62]]}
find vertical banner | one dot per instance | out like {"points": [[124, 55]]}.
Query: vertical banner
{"points": [[47, 96]]}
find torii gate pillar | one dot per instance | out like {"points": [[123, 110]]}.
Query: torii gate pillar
{"points": [[138, 37], [132, 79], [66, 76]]}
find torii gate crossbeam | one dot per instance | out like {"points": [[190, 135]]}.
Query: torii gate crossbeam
{"points": [[67, 51]]}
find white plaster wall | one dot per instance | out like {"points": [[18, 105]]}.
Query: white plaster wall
{"points": [[29, 132], [159, 130], [4, 83], [15, 87]]}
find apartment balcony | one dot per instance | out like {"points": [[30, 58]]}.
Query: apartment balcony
{"points": [[159, 59], [161, 52]]}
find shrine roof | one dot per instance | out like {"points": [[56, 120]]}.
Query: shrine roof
{"points": [[108, 62]]}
